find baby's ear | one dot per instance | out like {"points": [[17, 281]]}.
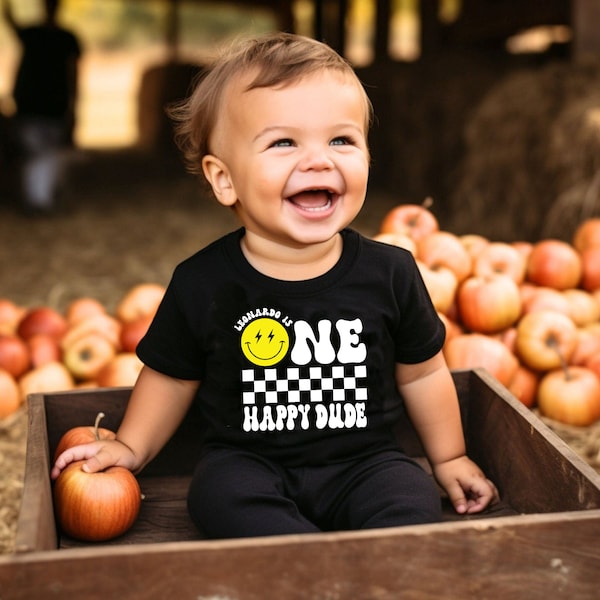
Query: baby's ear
{"points": [[217, 174]]}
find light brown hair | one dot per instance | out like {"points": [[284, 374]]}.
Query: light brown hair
{"points": [[278, 60]]}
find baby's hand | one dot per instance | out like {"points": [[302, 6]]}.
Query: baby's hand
{"points": [[466, 485], [98, 456]]}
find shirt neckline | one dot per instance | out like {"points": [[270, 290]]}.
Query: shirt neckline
{"points": [[350, 249]]}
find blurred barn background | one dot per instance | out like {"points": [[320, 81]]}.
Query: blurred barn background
{"points": [[491, 107]]}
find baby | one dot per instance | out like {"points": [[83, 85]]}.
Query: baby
{"points": [[302, 342]]}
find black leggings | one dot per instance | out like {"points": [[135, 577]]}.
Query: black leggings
{"points": [[235, 493]]}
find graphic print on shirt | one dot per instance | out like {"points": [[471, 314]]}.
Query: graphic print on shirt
{"points": [[321, 385]]}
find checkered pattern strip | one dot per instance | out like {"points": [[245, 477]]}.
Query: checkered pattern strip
{"points": [[340, 383]]}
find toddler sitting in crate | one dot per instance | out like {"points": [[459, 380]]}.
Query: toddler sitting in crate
{"points": [[302, 341]]}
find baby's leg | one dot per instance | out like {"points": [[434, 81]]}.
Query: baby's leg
{"points": [[387, 490], [238, 494]]}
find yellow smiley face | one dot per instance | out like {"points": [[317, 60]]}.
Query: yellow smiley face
{"points": [[265, 342]]}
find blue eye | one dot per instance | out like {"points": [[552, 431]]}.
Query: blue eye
{"points": [[284, 143], [342, 141]]}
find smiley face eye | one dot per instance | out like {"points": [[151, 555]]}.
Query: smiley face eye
{"points": [[265, 342]]}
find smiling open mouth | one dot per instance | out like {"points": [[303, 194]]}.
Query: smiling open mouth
{"points": [[313, 200]]}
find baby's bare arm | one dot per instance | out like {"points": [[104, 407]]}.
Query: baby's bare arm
{"points": [[157, 406], [432, 405]]}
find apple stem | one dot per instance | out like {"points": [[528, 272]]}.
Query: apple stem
{"points": [[99, 418], [427, 203], [553, 343]]}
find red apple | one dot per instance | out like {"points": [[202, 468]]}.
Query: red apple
{"points": [[570, 396], [414, 220], [546, 339], [588, 343], [82, 308], [508, 337], [83, 435], [91, 384], [10, 315], [142, 299], [99, 324], [444, 249], [51, 377], [472, 350], [42, 319], [488, 304], [555, 264], [502, 259], [98, 506], [452, 327], [133, 331], [14, 355], [473, 243], [587, 234], [527, 291], [43, 349], [544, 298], [87, 355], [593, 363], [398, 239], [590, 264], [452, 312], [523, 248], [524, 385], [10, 396], [441, 284], [121, 371], [584, 308]]}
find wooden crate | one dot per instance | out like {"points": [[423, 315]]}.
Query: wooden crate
{"points": [[541, 541]]}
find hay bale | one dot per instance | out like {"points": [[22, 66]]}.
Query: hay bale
{"points": [[574, 155], [585, 441], [532, 155]]}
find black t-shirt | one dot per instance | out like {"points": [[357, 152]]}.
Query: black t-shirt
{"points": [[299, 371], [44, 81]]}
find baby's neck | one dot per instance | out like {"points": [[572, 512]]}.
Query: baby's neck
{"points": [[292, 264]]}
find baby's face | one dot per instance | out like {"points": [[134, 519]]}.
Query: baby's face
{"points": [[294, 160]]}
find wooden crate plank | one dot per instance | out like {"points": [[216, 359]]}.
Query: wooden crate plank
{"points": [[36, 529], [492, 419], [535, 470], [540, 555], [163, 515], [534, 556], [80, 407]]}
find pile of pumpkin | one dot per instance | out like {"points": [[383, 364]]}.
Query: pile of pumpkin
{"points": [[527, 312], [45, 350]]}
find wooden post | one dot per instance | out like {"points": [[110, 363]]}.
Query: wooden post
{"points": [[330, 17], [382, 31], [586, 21]]}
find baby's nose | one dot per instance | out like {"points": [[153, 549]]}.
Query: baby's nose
{"points": [[317, 159]]}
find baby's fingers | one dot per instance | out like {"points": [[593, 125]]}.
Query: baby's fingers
{"points": [[98, 462], [98, 456], [81, 452], [480, 494], [457, 496]]}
